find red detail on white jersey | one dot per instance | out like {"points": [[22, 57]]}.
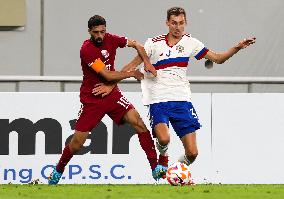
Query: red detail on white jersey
{"points": [[159, 38]]}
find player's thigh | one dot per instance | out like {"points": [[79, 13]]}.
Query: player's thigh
{"points": [[133, 118], [184, 119], [117, 107], [159, 122], [190, 144], [89, 116]]}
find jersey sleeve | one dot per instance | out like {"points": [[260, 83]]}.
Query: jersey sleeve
{"points": [[121, 42], [148, 47], [199, 50], [88, 57]]}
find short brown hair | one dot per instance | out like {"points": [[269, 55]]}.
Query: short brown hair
{"points": [[175, 11]]}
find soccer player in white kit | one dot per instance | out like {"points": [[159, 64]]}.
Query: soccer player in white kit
{"points": [[168, 95]]}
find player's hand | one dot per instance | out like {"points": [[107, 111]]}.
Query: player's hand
{"points": [[138, 75], [246, 42], [102, 89], [150, 68]]}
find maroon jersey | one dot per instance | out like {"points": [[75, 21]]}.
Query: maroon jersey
{"points": [[88, 54]]}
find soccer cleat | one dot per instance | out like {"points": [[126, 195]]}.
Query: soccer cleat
{"points": [[54, 177], [159, 172]]}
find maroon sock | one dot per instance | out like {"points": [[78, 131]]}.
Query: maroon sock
{"points": [[163, 160], [148, 146], [65, 158]]}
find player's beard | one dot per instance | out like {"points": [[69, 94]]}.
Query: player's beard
{"points": [[98, 42]]}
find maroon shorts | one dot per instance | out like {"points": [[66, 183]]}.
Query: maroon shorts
{"points": [[114, 105]]}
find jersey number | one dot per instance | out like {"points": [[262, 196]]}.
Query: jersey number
{"points": [[123, 102], [193, 113]]}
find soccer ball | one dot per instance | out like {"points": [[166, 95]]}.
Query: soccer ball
{"points": [[178, 174]]}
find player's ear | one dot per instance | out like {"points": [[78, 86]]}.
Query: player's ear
{"points": [[167, 23]]}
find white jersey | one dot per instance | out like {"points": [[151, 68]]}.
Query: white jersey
{"points": [[171, 83]]}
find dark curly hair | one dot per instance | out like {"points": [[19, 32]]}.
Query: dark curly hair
{"points": [[96, 20]]}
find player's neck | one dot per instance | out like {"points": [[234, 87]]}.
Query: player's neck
{"points": [[172, 40]]}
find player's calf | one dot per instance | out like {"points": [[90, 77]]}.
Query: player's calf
{"points": [[163, 157]]}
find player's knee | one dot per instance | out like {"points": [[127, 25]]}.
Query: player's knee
{"points": [[165, 140]]}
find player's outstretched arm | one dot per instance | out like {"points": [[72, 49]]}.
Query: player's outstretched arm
{"points": [[220, 58], [142, 53], [100, 68], [104, 89], [117, 76]]}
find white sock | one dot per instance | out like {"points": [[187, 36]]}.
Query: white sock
{"points": [[163, 149], [184, 159]]}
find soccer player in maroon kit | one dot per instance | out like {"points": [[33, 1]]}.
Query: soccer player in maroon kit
{"points": [[97, 60]]}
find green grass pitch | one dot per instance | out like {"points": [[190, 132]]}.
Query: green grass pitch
{"points": [[142, 191]]}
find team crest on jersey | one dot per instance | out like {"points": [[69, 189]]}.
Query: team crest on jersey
{"points": [[180, 49], [105, 53]]}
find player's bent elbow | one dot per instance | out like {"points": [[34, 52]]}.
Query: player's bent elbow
{"points": [[218, 58], [133, 44], [220, 61]]}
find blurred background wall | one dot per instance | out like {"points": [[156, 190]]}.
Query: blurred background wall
{"points": [[49, 43]]}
